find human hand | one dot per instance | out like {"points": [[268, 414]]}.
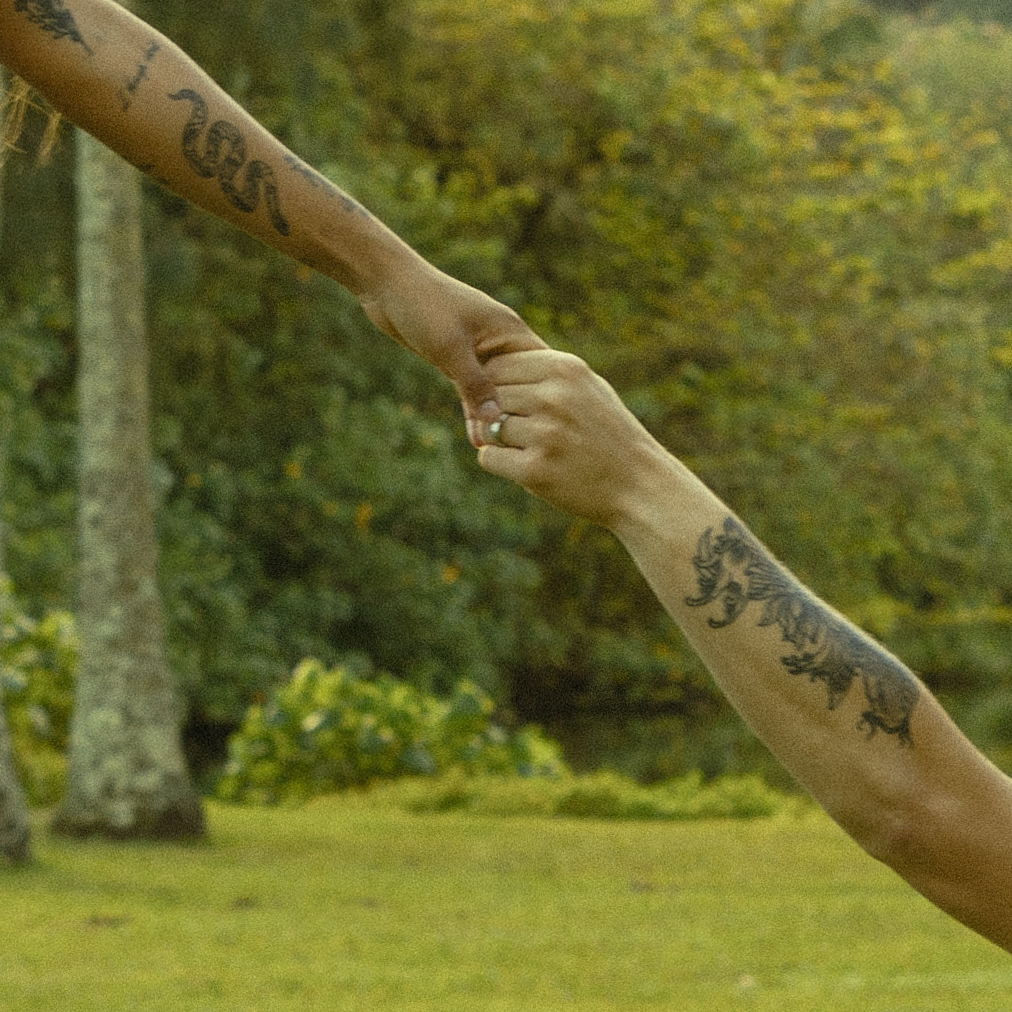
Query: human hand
{"points": [[567, 437], [458, 329]]}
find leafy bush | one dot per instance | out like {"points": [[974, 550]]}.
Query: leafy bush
{"points": [[604, 795], [37, 665], [328, 730]]}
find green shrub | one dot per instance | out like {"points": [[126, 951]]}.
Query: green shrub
{"points": [[483, 795], [603, 795], [329, 730], [38, 660]]}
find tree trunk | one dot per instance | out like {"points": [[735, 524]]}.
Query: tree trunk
{"points": [[15, 833], [126, 774], [5, 420]]}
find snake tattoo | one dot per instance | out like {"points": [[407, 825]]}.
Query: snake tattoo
{"points": [[224, 156]]}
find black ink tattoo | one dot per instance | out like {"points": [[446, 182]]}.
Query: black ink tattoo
{"points": [[224, 155], [319, 181], [53, 18], [733, 568], [127, 95]]}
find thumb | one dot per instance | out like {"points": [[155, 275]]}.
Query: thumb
{"points": [[477, 395]]}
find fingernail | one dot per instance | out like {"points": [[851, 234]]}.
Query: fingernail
{"points": [[489, 411], [473, 433]]}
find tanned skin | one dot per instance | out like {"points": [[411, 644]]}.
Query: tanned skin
{"points": [[125, 83]]}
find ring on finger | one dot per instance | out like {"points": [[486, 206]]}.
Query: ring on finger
{"points": [[496, 437]]}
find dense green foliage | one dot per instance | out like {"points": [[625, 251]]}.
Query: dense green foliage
{"points": [[602, 795], [779, 228], [38, 660], [328, 730], [984, 11]]}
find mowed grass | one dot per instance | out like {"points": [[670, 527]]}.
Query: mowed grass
{"points": [[347, 904]]}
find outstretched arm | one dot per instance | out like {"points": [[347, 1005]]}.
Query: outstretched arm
{"points": [[846, 717], [136, 91]]}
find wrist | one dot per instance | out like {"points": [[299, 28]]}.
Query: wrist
{"points": [[388, 268], [340, 239], [665, 503], [396, 287]]}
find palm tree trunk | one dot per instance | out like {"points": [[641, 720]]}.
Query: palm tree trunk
{"points": [[5, 421], [15, 833], [126, 774]]}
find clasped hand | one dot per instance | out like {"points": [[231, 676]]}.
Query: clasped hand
{"points": [[566, 436], [456, 328]]}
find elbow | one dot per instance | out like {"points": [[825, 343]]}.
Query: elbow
{"points": [[895, 837], [957, 855], [906, 834]]}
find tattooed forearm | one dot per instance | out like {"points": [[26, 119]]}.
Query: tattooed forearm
{"points": [[224, 155], [734, 569], [321, 182], [53, 18], [130, 89]]}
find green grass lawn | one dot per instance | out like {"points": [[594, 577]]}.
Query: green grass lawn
{"points": [[347, 904]]}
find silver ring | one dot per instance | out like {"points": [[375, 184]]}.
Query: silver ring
{"points": [[495, 431]]}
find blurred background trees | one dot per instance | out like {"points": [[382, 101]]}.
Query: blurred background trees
{"points": [[779, 228]]}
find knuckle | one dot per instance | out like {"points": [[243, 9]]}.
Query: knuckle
{"points": [[570, 368], [503, 319], [510, 317]]}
